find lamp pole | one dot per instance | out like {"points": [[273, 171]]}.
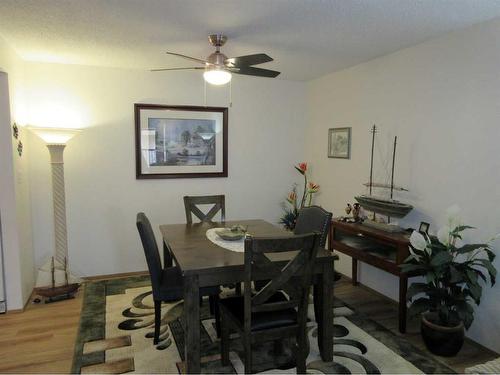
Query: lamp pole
{"points": [[55, 140], [59, 201]]}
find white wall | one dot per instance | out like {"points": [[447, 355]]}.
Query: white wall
{"points": [[266, 132], [442, 99], [14, 187]]}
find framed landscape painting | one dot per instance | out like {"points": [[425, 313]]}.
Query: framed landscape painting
{"points": [[339, 143], [180, 141]]}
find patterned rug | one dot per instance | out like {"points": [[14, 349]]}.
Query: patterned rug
{"points": [[116, 330]]}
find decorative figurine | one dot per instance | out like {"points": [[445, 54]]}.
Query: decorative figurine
{"points": [[355, 211], [348, 209]]}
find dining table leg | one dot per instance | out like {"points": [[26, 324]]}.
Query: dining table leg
{"points": [[167, 255], [323, 292], [192, 324]]}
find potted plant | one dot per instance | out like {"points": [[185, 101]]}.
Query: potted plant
{"points": [[292, 206], [454, 273]]}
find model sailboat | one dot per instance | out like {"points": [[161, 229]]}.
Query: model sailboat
{"points": [[384, 205], [54, 281]]}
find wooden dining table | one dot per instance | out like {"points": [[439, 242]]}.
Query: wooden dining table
{"points": [[203, 263]]}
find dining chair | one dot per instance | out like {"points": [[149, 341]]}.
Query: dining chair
{"points": [[191, 204], [310, 219], [167, 282], [314, 219], [219, 204], [269, 315]]}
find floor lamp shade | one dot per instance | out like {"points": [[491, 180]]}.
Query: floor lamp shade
{"points": [[55, 136]]}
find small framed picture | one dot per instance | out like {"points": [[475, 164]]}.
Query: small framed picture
{"points": [[424, 227], [339, 143]]}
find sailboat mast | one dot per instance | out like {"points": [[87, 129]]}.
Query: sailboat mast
{"points": [[393, 162], [374, 130]]}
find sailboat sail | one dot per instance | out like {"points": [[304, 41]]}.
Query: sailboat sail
{"points": [[53, 279], [384, 206], [44, 278]]}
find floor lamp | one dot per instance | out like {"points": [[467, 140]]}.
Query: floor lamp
{"points": [[56, 139]]}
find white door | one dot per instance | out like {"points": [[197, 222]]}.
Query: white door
{"points": [[3, 305], [4, 106]]}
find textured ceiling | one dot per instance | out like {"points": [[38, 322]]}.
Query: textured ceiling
{"points": [[307, 38]]}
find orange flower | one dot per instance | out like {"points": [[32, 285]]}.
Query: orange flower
{"points": [[302, 168], [292, 197], [313, 188]]}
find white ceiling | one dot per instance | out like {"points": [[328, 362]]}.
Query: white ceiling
{"points": [[307, 38]]}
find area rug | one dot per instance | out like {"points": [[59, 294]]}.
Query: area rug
{"points": [[116, 331]]}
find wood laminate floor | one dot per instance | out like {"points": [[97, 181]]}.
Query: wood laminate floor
{"points": [[41, 339]]}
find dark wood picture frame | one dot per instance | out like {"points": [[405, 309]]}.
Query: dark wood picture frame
{"points": [[138, 107]]}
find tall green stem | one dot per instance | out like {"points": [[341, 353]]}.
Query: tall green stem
{"points": [[305, 191]]}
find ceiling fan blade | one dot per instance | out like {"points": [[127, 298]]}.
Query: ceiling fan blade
{"points": [[251, 71], [188, 57], [259, 58], [164, 69]]}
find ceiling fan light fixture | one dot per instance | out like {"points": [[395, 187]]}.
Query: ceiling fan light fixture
{"points": [[219, 68], [217, 76]]}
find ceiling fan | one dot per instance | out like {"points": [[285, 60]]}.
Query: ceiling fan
{"points": [[218, 67]]}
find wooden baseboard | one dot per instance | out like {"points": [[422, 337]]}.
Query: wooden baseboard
{"points": [[28, 301], [115, 275], [15, 311]]}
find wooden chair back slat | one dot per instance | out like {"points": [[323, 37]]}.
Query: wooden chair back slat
{"points": [[213, 211], [268, 269], [191, 203], [293, 268], [299, 268]]}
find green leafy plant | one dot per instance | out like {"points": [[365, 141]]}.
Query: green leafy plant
{"points": [[453, 271], [292, 206]]}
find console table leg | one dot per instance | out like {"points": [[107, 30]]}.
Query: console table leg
{"points": [[355, 272], [403, 286]]}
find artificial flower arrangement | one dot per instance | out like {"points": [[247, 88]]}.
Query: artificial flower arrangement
{"points": [[292, 205], [453, 272]]}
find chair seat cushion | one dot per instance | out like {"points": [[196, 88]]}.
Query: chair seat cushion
{"points": [[172, 286], [261, 320]]}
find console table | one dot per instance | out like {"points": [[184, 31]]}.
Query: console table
{"points": [[380, 249]]}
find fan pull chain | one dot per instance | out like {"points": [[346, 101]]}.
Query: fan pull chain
{"points": [[231, 93], [205, 92]]}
